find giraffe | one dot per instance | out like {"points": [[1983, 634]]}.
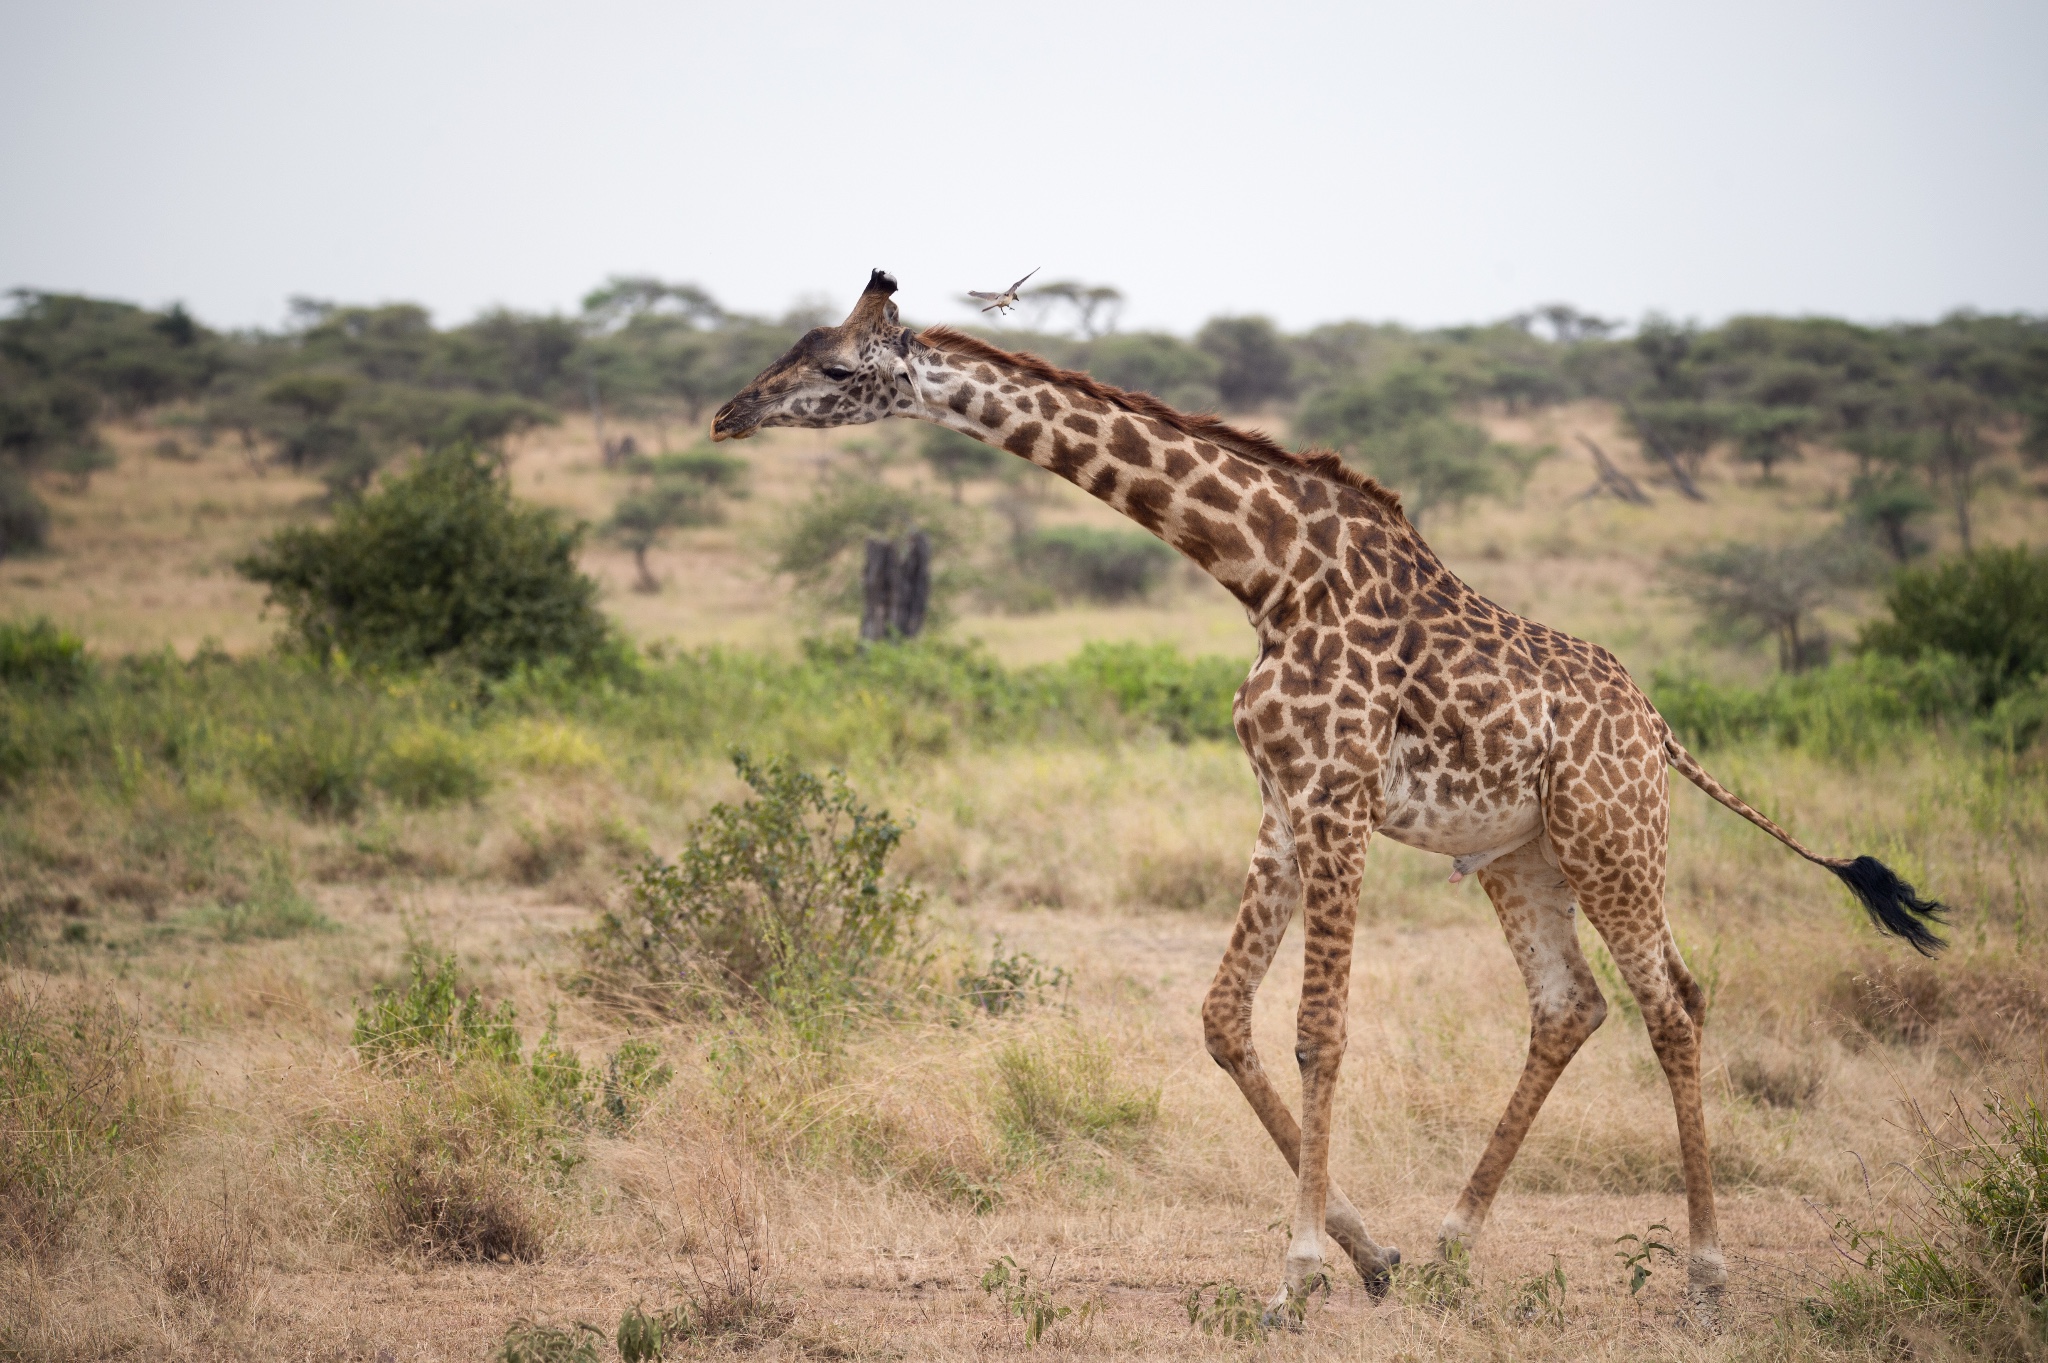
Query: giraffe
{"points": [[1387, 697]]}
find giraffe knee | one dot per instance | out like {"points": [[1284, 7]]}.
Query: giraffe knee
{"points": [[1224, 1029]]}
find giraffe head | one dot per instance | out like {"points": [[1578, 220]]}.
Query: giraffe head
{"points": [[846, 375]]}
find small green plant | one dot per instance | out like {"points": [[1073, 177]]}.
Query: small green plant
{"points": [[1442, 1284], [527, 1341], [633, 1073], [1539, 1298], [1638, 1255], [1015, 980], [641, 1337], [1011, 1286], [783, 898], [1048, 1096], [432, 1016], [273, 908], [1232, 1313]]}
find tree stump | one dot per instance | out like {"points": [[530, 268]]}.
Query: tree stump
{"points": [[896, 587]]}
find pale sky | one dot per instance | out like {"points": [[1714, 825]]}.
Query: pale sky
{"points": [[1426, 162]]}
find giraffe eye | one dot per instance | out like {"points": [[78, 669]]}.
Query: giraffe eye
{"points": [[838, 373]]}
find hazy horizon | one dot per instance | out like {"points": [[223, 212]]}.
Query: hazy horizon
{"points": [[1313, 164]]}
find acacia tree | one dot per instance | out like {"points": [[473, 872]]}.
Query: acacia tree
{"points": [[1770, 591], [1770, 436], [1252, 361], [1956, 448], [683, 490], [959, 459]]}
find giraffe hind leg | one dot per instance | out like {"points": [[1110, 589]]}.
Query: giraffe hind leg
{"points": [[1534, 904]]}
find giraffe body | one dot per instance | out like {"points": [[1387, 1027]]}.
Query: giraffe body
{"points": [[1387, 697]]}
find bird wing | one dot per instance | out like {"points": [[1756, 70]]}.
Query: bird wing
{"points": [[1020, 283], [977, 293]]}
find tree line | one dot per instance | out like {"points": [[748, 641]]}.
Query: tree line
{"points": [[341, 390]]}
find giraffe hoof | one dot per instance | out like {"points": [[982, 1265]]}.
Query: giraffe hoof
{"points": [[1381, 1280]]}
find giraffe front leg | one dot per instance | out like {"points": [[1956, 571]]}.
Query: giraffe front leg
{"points": [[1331, 858], [1271, 893]]}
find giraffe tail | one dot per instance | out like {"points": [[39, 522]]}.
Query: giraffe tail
{"points": [[1892, 904]]}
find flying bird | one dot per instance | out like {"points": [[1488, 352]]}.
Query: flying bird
{"points": [[1007, 299]]}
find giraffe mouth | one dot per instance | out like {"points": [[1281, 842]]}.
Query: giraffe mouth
{"points": [[732, 424]]}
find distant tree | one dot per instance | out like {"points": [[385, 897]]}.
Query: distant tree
{"points": [[1569, 326], [1769, 436], [1956, 449], [1252, 360], [1689, 430], [1770, 591], [1665, 346], [1094, 306], [1435, 463], [1888, 505], [440, 563], [1096, 563], [1157, 363], [24, 520], [822, 544], [643, 517], [959, 459]]}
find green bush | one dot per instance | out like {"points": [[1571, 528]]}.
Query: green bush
{"points": [[438, 564], [782, 898], [1970, 1259], [1990, 609], [40, 655], [427, 765], [1186, 697], [432, 1016], [1097, 563]]}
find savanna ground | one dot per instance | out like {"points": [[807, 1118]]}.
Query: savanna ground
{"points": [[211, 943]]}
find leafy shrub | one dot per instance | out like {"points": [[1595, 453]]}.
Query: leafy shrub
{"points": [[1016, 980], [316, 763], [781, 898], [1989, 609], [1187, 697], [431, 1015], [77, 1097], [1098, 563], [1969, 1260], [428, 765], [40, 655], [1047, 1097], [441, 563], [1852, 710]]}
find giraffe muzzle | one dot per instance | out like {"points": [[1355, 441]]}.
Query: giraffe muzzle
{"points": [[734, 421]]}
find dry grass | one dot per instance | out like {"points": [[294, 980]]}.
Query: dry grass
{"points": [[281, 1200]]}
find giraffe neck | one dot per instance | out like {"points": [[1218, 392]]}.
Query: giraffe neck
{"points": [[1257, 520]]}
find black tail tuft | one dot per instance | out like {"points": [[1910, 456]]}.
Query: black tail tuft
{"points": [[1892, 904]]}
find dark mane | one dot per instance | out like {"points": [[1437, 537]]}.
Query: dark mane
{"points": [[1252, 445]]}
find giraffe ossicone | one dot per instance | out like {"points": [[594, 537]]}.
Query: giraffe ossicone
{"points": [[1387, 697]]}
